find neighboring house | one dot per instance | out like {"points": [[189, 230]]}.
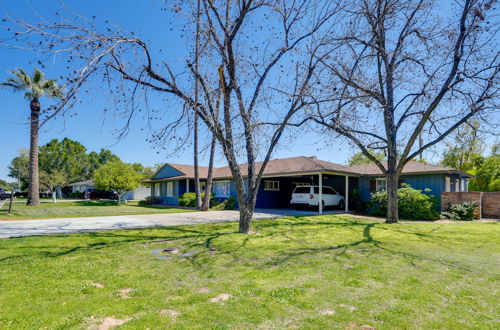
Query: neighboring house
{"points": [[139, 193], [281, 176], [81, 185]]}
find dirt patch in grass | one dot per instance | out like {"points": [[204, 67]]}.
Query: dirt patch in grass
{"points": [[107, 323], [124, 293], [171, 312], [97, 285], [220, 299], [327, 312], [348, 307]]}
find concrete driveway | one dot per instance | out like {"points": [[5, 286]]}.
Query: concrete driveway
{"points": [[80, 225]]}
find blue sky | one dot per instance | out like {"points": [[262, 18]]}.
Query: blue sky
{"points": [[90, 126]]}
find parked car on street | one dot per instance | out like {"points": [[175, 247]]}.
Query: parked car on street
{"points": [[309, 196], [102, 194], [4, 194]]}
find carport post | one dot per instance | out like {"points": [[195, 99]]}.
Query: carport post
{"points": [[346, 193], [320, 197]]}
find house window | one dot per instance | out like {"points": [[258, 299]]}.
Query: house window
{"points": [[381, 184], [157, 189], [271, 185], [170, 189], [447, 181], [221, 188]]}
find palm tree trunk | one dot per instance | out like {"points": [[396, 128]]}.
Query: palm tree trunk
{"points": [[34, 185]]}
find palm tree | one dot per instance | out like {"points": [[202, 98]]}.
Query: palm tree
{"points": [[34, 87]]}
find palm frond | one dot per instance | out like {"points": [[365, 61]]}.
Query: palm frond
{"points": [[38, 76], [36, 86]]}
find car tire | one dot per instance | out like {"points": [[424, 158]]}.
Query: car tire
{"points": [[341, 204]]}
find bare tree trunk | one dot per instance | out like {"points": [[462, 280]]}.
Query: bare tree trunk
{"points": [[196, 164], [208, 187], [392, 189], [246, 213], [34, 185]]}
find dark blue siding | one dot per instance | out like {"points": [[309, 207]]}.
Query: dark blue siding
{"points": [[434, 182]]}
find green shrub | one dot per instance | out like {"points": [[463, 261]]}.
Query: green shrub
{"points": [[464, 211], [189, 199], [228, 204], [76, 194], [413, 204], [150, 200]]}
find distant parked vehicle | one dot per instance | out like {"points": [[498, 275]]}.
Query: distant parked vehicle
{"points": [[4, 194], [96, 195], [309, 196]]}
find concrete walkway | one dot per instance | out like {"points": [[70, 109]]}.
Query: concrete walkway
{"points": [[80, 225]]}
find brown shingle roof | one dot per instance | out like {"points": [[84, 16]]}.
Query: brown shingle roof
{"points": [[293, 165], [303, 165], [411, 167]]}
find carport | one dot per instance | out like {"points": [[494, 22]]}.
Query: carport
{"points": [[276, 191]]}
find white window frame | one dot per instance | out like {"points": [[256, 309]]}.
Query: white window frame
{"points": [[170, 189], [378, 182], [447, 184], [157, 189], [270, 185], [228, 188]]}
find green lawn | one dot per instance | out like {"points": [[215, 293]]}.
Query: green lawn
{"points": [[79, 209], [311, 272]]}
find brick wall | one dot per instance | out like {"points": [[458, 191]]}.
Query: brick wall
{"points": [[489, 202], [491, 205]]}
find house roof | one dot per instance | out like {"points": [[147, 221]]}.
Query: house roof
{"points": [[412, 167], [82, 183], [303, 165], [293, 165]]}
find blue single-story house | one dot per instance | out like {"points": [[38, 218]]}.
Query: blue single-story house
{"points": [[281, 176]]}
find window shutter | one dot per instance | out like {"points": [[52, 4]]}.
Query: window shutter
{"points": [[373, 186]]}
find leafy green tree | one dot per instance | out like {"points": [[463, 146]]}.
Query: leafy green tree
{"points": [[118, 176], [96, 159], [360, 158], [486, 172], [19, 169], [67, 156], [7, 185], [34, 87], [465, 149], [52, 180], [145, 171]]}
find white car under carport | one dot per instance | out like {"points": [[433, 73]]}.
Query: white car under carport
{"points": [[309, 196]]}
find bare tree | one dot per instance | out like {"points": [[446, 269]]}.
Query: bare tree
{"points": [[409, 70], [196, 94], [261, 56]]}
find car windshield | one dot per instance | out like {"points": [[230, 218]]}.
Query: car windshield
{"points": [[302, 190]]}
